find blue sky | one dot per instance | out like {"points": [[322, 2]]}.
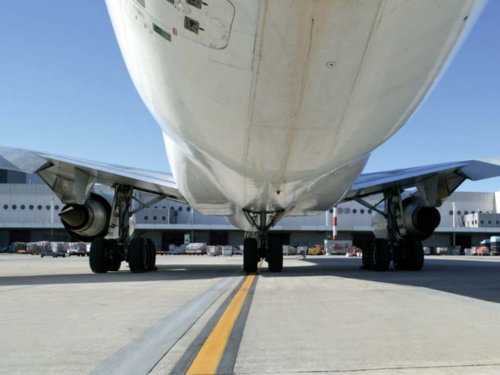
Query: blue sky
{"points": [[65, 90]]}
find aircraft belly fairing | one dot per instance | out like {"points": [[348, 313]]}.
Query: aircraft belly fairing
{"points": [[298, 90]]}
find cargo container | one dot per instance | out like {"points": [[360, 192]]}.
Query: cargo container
{"points": [[227, 251], [54, 249], [196, 249], [336, 247], [289, 250], [177, 250], [441, 250], [77, 248], [36, 248], [214, 251]]}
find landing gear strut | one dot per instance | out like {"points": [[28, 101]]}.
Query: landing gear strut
{"points": [[108, 254], [270, 249]]}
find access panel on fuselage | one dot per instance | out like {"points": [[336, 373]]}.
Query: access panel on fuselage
{"points": [[207, 22]]}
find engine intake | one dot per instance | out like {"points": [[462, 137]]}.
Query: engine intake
{"points": [[420, 220], [88, 221]]}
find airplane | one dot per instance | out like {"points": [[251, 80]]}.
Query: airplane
{"points": [[239, 88]]}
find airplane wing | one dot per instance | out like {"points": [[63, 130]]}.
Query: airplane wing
{"points": [[73, 179], [435, 182]]}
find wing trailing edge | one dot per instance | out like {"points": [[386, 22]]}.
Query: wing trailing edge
{"points": [[73, 179], [434, 182]]}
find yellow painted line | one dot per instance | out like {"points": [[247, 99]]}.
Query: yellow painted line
{"points": [[208, 358]]}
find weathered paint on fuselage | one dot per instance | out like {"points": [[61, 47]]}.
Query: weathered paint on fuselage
{"points": [[277, 104]]}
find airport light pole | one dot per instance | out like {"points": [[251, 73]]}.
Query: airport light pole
{"points": [[454, 210]]}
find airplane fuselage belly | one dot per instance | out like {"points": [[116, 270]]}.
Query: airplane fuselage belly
{"points": [[277, 104]]}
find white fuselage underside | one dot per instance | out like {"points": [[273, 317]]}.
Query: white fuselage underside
{"points": [[277, 104]]}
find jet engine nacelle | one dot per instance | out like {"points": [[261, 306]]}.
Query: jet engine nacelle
{"points": [[88, 221], [419, 220]]}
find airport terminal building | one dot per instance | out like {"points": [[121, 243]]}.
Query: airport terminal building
{"points": [[29, 213]]}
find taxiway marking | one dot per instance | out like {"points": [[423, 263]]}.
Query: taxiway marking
{"points": [[210, 355], [142, 354]]}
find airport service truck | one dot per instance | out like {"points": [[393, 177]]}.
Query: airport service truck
{"points": [[494, 245]]}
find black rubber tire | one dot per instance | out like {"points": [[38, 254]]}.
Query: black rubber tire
{"points": [[367, 255], [115, 260], [275, 259], [250, 255], [415, 252], [400, 256], [381, 254], [152, 255], [115, 264], [99, 256], [138, 255], [400, 263]]}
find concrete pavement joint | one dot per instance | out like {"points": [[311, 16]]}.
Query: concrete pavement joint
{"points": [[371, 369]]}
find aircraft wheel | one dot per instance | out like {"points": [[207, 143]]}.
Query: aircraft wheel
{"points": [[152, 255], [115, 260], [115, 264], [275, 259], [250, 256], [381, 254], [400, 255], [138, 255], [99, 256], [415, 252], [367, 255], [400, 263]]}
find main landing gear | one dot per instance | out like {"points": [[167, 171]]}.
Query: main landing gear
{"points": [[108, 254], [270, 249], [405, 255], [405, 252]]}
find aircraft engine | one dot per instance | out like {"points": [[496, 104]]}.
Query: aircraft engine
{"points": [[420, 220], [88, 221]]}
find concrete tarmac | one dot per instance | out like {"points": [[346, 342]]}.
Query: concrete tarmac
{"points": [[320, 315]]}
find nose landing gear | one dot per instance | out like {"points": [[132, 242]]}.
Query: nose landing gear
{"points": [[250, 255], [270, 249]]}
